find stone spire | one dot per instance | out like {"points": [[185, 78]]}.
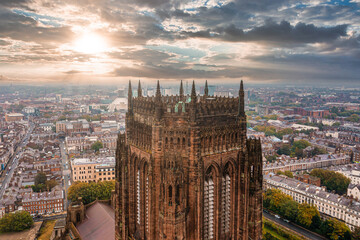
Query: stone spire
{"points": [[206, 91], [193, 93], [130, 100], [241, 110], [181, 90], [139, 90]]}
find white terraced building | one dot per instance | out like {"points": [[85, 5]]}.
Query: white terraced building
{"points": [[318, 161], [328, 204]]}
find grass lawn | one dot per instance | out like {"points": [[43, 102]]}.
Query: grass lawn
{"points": [[276, 231], [273, 233], [46, 230]]}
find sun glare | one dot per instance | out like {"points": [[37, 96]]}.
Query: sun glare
{"points": [[90, 44]]}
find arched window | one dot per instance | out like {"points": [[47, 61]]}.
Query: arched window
{"points": [[225, 201], [209, 207], [183, 142]]}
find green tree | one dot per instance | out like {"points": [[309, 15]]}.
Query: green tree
{"points": [[284, 149], [271, 158], [40, 178], [306, 213], [96, 146], [315, 222], [356, 233], [337, 124], [289, 174], [332, 180], [335, 230], [353, 118], [89, 192], [301, 144], [16, 222], [290, 210]]}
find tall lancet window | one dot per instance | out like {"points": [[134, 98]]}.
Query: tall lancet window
{"points": [[138, 205], [209, 207], [147, 203], [225, 201]]}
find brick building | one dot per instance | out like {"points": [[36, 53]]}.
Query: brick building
{"points": [[43, 202], [14, 117], [186, 170], [306, 178]]}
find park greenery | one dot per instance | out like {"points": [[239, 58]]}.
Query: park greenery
{"points": [[297, 149], [272, 231], [92, 191], [352, 116], [16, 222], [286, 173], [41, 184], [332, 180], [271, 131], [305, 215]]}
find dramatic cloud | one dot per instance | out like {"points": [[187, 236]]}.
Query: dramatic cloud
{"points": [[280, 40]]}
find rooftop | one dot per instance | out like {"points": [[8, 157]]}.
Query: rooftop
{"points": [[99, 223]]}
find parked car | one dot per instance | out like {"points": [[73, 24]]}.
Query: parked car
{"points": [[286, 220], [277, 216]]}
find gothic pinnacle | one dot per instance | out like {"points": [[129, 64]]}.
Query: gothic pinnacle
{"points": [[206, 91], [193, 92], [139, 90], [181, 90]]}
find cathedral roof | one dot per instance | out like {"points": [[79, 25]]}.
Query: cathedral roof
{"points": [[99, 223]]}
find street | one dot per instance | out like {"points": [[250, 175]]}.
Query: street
{"points": [[13, 162], [296, 229], [66, 172]]}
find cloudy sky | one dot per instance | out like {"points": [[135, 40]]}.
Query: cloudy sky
{"points": [[264, 41]]}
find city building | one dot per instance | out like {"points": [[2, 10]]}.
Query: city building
{"points": [[307, 164], [93, 170], [38, 203], [14, 117], [306, 178], [328, 204], [354, 191], [73, 127], [186, 170]]}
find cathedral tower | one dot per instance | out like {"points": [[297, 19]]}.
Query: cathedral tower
{"points": [[186, 170]]}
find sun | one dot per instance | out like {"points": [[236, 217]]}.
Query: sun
{"points": [[90, 43]]}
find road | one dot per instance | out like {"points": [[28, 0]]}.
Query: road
{"points": [[13, 162], [295, 228], [66, 171]]}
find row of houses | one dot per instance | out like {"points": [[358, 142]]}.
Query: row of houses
{"points": [[306, 164], [328, 204]]}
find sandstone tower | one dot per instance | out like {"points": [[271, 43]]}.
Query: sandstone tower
{"points": [[186, 170]]}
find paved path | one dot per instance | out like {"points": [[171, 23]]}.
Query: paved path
{"points": [[301, 231]]}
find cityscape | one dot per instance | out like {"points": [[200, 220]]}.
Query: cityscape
{"points": [[180, 120], [55, 144]]}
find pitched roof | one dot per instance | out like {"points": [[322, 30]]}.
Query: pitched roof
{"points": [[99, 223]]}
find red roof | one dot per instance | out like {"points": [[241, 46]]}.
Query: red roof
{"points": [[99, 223]]}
